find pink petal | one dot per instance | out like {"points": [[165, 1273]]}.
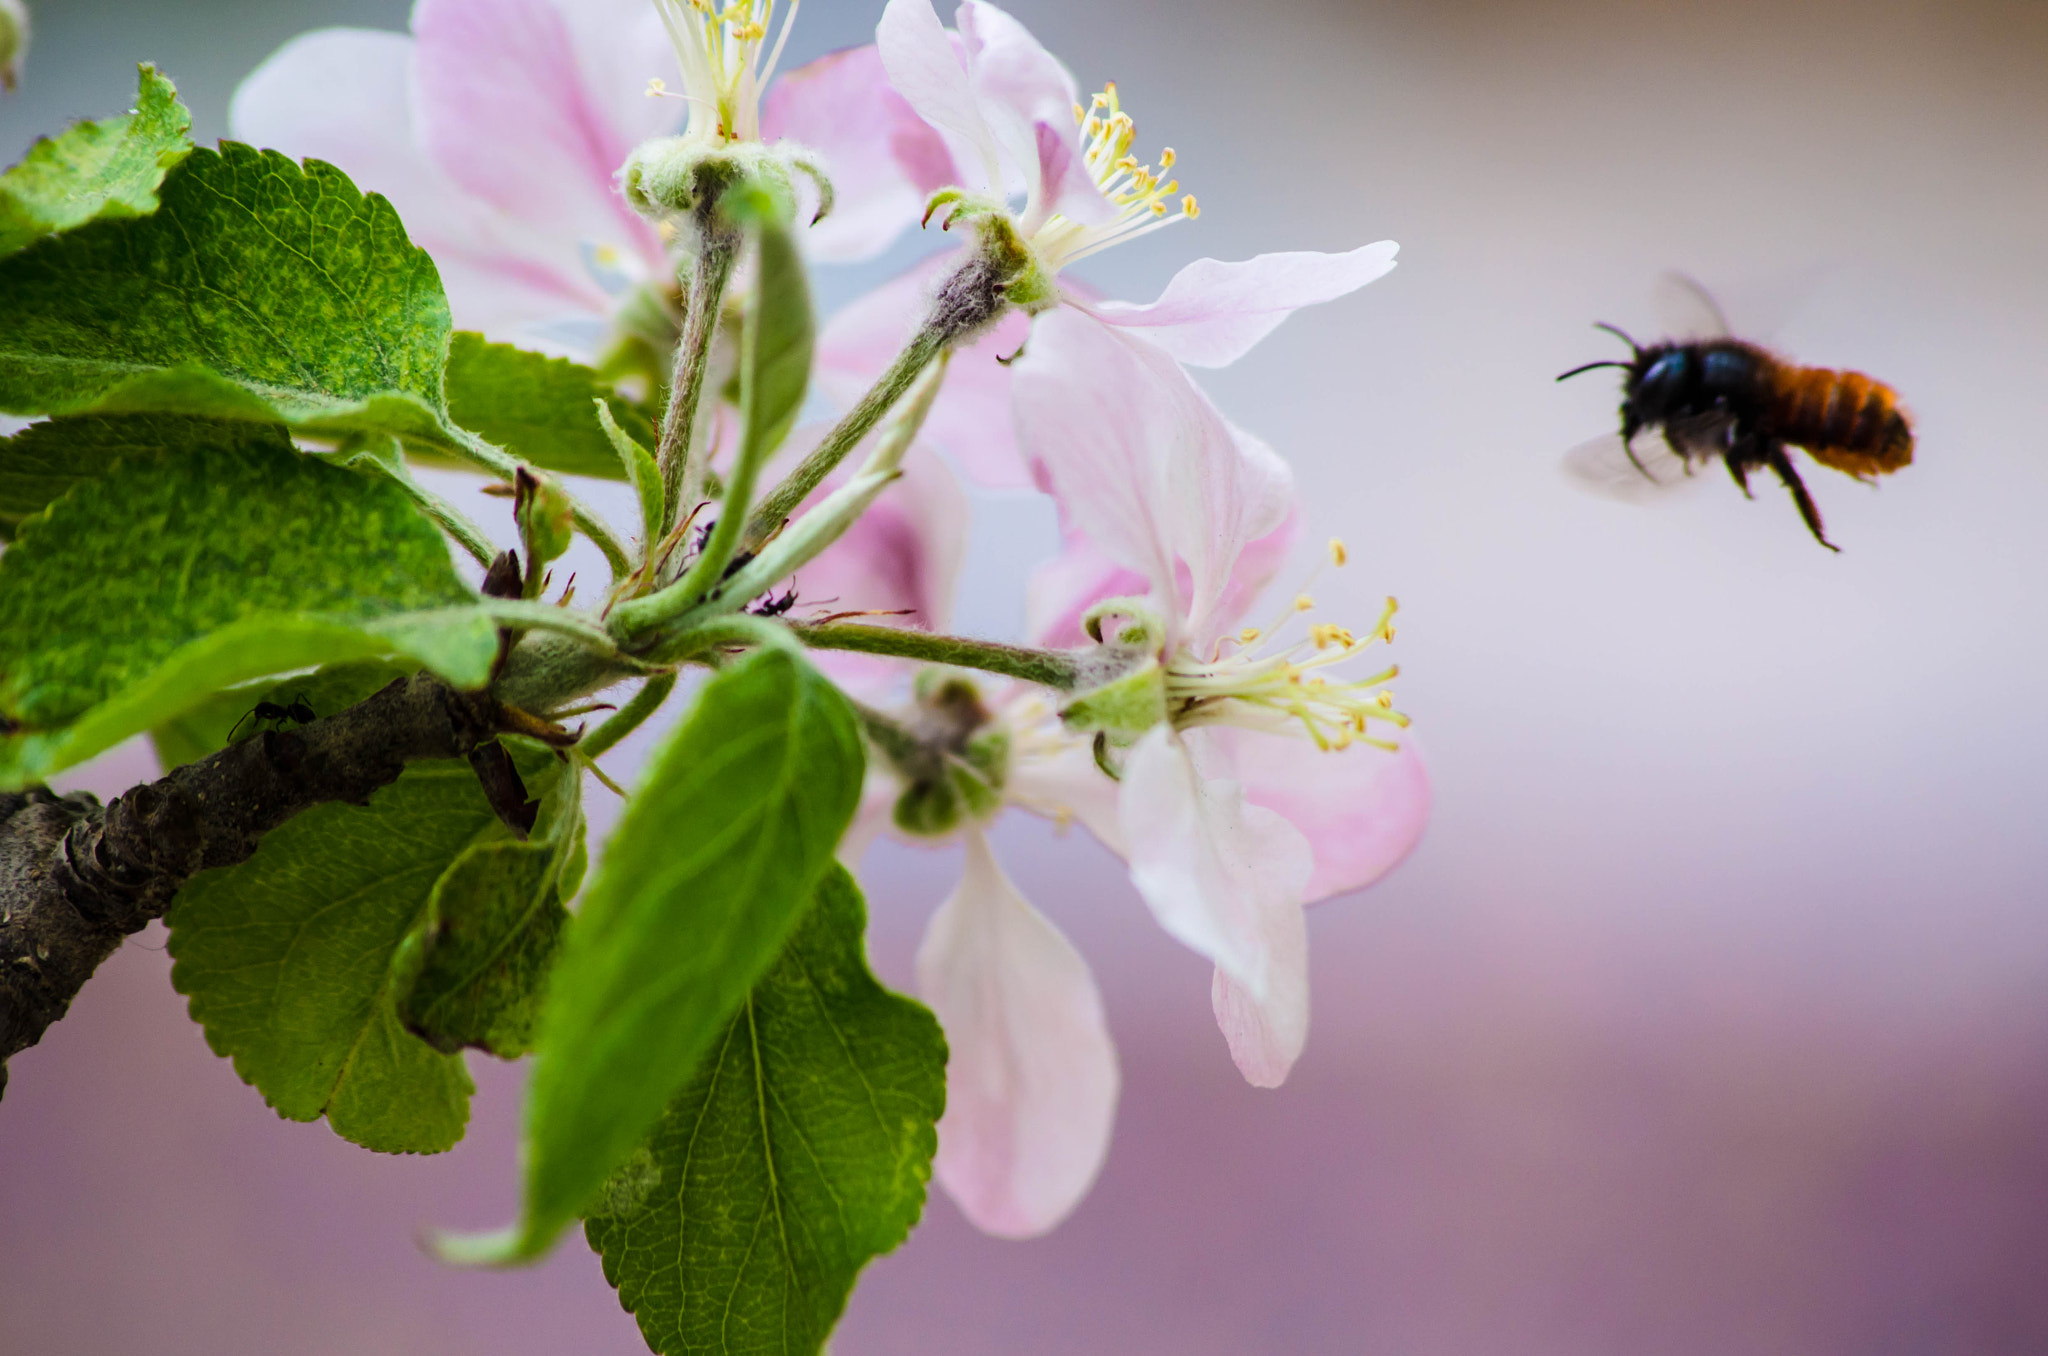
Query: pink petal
{"points": [[1362, 809], [1211, 865], [1141, 461], [970, 421], [1267, 1035], [345, 96], [507, 110], [1212, 313], [1066, 586], [1031, 1079], [1026, 98], [878, 152], [927, 70]]}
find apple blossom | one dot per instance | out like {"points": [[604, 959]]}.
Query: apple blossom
{"points": [[497, 127], [1009, 115]]}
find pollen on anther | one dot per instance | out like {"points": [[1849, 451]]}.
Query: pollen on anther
{"points": [[1248, 636], [1303, 603], [1338, 555], [1385, 699], [657, 87], [1080, 115], [1166, 158], [1189, 207]]}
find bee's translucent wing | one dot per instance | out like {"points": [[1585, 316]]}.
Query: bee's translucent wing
{"points": [[1605, 467], [1685, 311]]}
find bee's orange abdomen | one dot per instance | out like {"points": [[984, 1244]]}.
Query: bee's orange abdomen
{"points": [[1843, 419]]}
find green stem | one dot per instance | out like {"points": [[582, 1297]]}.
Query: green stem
{"points": [[738, 629], [677, 454], [503, 464], [629, 717], [1048, 668], [926, 345]]}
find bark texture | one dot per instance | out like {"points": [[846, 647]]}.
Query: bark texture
{"points": [[76, 877]]}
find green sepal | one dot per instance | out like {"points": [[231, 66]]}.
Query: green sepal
{"points": [[641, 471], [800, 1149], [1123, 708], [95, 171]]}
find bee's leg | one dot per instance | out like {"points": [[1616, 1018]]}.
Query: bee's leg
{"points": [[1782, 464], [1738, 467]]}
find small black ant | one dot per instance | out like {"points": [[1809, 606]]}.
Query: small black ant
{"points": [[771, 606], [300, 712]]}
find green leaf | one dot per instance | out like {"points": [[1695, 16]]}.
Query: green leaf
{"points": [[258, 290], [537, 407], [776, 371], [641, 472], [43, 461], [474, 972], [459, 644], [204, 728], [101, 588], [799, 1150], [96, 170], [143, 592], [717, 855], [287, 960]]}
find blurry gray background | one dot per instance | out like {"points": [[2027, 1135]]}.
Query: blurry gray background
{"points": [[1711, 1017]]}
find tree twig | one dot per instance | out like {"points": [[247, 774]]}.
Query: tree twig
{"points": [[76, 877]]}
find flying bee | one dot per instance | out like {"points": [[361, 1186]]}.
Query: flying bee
{"points": [[1714, 396]]}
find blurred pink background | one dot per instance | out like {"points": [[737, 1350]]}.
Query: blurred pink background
{"points": [[1712, 1016]]}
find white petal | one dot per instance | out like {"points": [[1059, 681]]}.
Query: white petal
{"points": [[1031, 1079], [1023, 92], [927, 70], [1266, 1035], [1212, 313], [1068, 785], [1211, 866], [1142, 462]]}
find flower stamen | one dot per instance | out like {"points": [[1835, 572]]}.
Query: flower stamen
{"points": [[1274, 685], [1141, 199]]}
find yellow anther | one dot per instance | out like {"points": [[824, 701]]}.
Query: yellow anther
{"points": [[1158, 209], [1249, 635], [1358, 723], [1338, 555], [656, 87], [1189, 207], [1343, 740], [1166, 158], [1080, 115], [1385, 699], [1303, 603]]}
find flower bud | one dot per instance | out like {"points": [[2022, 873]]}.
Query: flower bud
{"points": [[672, 177]]}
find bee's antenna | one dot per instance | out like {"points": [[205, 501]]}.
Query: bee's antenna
{"points": [[1604, 362], [1619, 333]]}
